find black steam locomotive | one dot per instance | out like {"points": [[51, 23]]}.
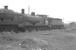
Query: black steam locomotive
{"points": [[13, 21]]}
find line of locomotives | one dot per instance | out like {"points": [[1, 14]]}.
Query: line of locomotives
{"points": [[22, 22]]}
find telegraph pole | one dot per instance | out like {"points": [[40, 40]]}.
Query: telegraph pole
{"points": [[28, 9]]}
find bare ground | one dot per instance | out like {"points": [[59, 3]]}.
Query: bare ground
{"points": [[56, 39]]}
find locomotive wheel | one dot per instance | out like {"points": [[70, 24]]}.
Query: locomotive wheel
{"points": [[21, 29], [37, 30], [1, 30], [29, 30], [15, 31]]}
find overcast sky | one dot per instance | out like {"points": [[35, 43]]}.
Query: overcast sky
{"points": [[65, 9]]}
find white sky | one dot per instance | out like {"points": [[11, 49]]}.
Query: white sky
{"points": [[65, 9]]}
